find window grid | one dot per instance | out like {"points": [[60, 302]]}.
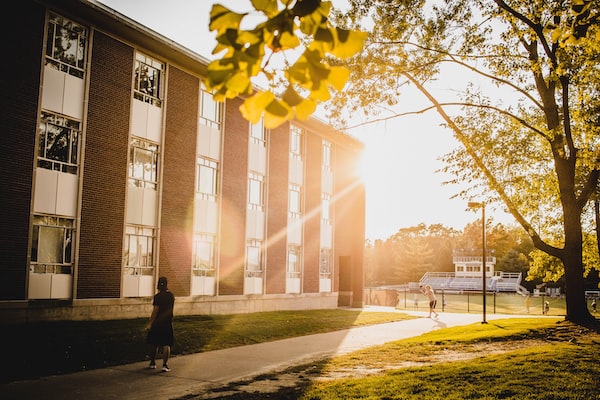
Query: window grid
{"points": [[293, 261], [207, 179], [203, 255], [52, 245], [143, 164], [295, 141], [257, 133], [254, 259], [210, 110], [58, 143], [325, 208], [326, 162], [325, 263], [295, 204], [139, 250], [148, 80], [66, 46], [255, 191]]}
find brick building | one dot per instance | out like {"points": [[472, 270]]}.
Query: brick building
{"points": [[119, 168]]}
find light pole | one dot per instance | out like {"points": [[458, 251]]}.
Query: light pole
{"points": [[474, 204]]}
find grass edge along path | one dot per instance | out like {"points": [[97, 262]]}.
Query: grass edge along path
{"points": [[40, 349], [557, 360]]}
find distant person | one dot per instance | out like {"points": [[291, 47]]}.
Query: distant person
{"points": [[546, 307], [416, 301], [527, 303], [428, 291], [594, 306], [160, 326]]}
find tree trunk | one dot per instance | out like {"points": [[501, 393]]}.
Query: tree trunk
{"points": [[572, 259]]}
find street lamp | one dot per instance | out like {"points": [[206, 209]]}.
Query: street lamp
{"points": [[474, 204]]}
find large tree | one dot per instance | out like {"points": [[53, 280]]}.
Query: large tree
{"points": [[536, 150]]}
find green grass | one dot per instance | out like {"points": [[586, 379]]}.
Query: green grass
{"points": [[46, 348], [555, 370]]}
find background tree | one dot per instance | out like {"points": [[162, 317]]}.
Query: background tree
{"points": [[535, 152]]}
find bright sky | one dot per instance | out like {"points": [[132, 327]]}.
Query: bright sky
{"points": [[401, 157]]}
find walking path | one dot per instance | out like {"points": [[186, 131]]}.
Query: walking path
{"points": [[195, 373]]}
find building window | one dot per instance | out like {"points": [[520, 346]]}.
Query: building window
{"points": [[295, 141], [254, 259], [66, 46], [58, 143], [293, 261], [52, 245], [325, 208], [295, 208], [203, 255], [255, 191], [326, 162], [325, 263], [143, 164], [257, 133], [139, 250], [206, 178], [147, 87], [210, 110]]}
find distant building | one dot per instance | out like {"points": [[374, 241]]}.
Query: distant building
{"points": [[118, 167]]}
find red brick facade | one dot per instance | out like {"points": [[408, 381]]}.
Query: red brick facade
{"points": [[103, 180]]}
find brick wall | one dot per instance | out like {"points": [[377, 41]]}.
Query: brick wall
{"points": [[105, 170], [234, 201], [279, 153], [312, 213], [20, 85], [179, 164]]}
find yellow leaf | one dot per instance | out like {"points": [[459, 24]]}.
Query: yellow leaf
{"points": [[238, 83], [338, 77], [253, 107], [222, 18], [320, 93], [269, 7], [288, 41], [348, 43], [276, 113], [305, 109]]}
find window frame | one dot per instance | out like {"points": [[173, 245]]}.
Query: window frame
{"points": [[63, 125], [151, 93], [139, 146], [144, 263]]}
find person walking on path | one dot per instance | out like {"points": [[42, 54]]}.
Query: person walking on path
{"points": [[428, 291], [160, 326]]}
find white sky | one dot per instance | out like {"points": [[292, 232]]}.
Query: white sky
{"points": [[401, 155]]}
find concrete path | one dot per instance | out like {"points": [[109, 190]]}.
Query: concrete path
{"points": [[195, 373]]}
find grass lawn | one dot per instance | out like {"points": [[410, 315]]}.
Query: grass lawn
{"points": [[47, 348], [504, 359]]}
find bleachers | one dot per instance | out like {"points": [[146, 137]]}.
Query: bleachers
{"points": [[500, 282]]}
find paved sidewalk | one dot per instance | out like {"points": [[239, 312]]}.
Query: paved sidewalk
{"points": [[196, 373]]}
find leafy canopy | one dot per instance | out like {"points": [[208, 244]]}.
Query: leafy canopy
{"points": [[292, 29]]}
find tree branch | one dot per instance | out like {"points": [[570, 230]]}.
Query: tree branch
{"points": [[540, 244]]}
